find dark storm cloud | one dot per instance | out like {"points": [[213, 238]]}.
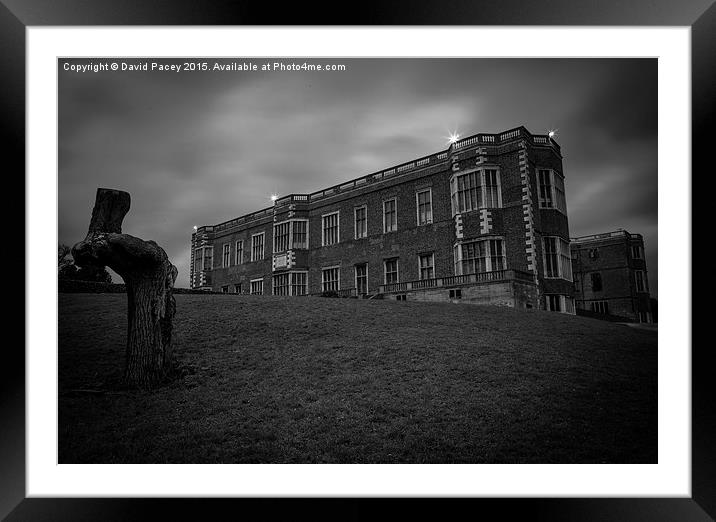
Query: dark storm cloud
{"points": [[201, 148]]}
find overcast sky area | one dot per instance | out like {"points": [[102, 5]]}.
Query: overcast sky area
{"points": [[199, 148]]}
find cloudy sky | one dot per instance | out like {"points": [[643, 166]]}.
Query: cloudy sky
{"points": [[199, 148]]}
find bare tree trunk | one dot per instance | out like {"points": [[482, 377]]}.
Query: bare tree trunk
{"points": [[149, 278]]}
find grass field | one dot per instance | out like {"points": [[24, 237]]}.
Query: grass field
{"points": [[270, 379]]}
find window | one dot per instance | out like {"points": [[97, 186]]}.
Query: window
{"points": [[559, 303], [280, 284], [492, 188], [208, 258], [553, 302], [551, 190], [330, 229], [486, 255], [361, 222], [257, 247], [475, 190], [640, 278], [257, 287], [425, 207], [226, 257], [281, 236], [401, 297], [290, 234], [390, 270], [299, 283], [290, 283], [456, 293], [239, 252], [362, 278], [330, 279], [600, 307], [596, 282], [237, 288], [225, 289], [198, 259], [299, 231], [636, 252], [644, 317], [390, 216], [557, 259], [593, 253], [426, 266]]}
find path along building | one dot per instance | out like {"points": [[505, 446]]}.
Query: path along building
{"points": [[484, 221]]}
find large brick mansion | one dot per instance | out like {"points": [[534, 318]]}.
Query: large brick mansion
{"points": [[484, 221]]}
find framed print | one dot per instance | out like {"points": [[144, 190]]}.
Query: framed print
{"points": [[420, 261]]}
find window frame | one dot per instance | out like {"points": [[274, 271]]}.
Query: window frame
{"points": [[239, 260], [263, 246], [553, 193], [290, 241], [251, 286], [325, 269], [429, 221], [226, 255], [480, 188], [459, 256], [337, 213], [394, 199], [385, 270], [355, 277], [561, 257], [431, 266], [355, 221], [645, 284]]}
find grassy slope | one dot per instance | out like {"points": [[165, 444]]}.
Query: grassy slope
{"points": [[341, 380]]}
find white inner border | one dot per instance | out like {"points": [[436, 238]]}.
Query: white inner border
{"points": [[670, 477]]}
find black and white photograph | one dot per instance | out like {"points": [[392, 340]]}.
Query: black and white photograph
{"points": [[359, 260]]}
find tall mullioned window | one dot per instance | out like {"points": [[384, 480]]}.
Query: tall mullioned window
{"points": [[299, 283], [492, 188], [208, 258], [475, 190], [226, 255], [330, 229], [257, 247], [557, 258], [425, 207], [551, 190], [390, 270], [390, 215], [637, 252], [290, 234], [362, 278], [281, 236], [330, 279], [239, 252], [299, 233], [487, 255], [426, 264], [280, 284], [640, 279], [361, 222]]}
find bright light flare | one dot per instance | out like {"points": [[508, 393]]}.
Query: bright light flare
{"points": [[274, 197], [552, 133], [453, 138]]}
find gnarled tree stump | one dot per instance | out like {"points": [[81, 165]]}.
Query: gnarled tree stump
{"points": [[149, 278]]}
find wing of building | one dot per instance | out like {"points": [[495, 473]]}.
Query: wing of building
{"points": [[484, 221], [610, 276]]}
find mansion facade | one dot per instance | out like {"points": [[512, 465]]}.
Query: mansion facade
{"points": [[484, 221]]}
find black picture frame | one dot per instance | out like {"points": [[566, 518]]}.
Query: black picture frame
{"points": [[17, 15]]}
